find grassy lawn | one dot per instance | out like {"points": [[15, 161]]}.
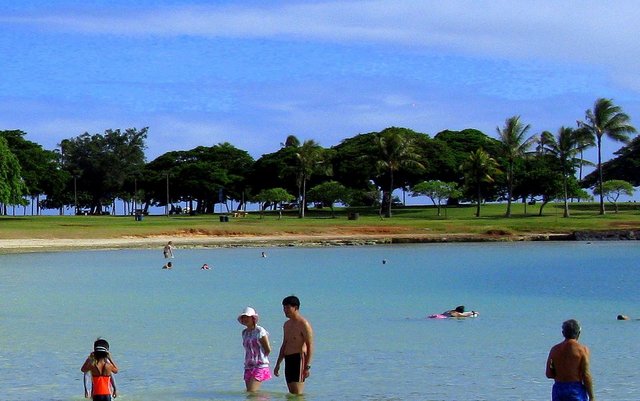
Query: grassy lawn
{"points": [[405, 220]]}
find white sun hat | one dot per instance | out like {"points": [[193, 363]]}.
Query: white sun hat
{"points": [[248, 311]]}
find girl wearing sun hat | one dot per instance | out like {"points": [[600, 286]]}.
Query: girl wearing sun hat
{"points": [[101, 368], [255, 340]]}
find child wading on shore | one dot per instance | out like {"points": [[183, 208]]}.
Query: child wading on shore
{"points": [[101, 367]]}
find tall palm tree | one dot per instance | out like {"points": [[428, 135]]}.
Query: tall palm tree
{"points": [[514, 146], [479, 168], [396, 151], [606, 119], [565, 147], [311, 159]]}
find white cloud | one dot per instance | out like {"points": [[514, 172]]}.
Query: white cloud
{"points": [[593, 31]]}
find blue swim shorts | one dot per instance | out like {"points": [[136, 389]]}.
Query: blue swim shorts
{"points": [[569, 391]]}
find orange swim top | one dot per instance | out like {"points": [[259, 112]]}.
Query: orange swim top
{"points": [[101, 385]]}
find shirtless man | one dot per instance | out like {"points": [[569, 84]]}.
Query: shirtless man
{"points": [[296, 348], [568, 365]]}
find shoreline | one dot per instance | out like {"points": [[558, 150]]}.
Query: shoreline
{"points": [[27, 245]]}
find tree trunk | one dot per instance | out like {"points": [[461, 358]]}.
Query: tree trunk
{"points": [[602, 211]]}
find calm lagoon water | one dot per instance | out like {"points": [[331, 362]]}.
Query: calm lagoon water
{"points": [[175, 336]]}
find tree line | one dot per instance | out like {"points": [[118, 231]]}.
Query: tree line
{"points": [[91, 172]]}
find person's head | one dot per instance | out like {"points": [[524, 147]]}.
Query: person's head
{"points": [[571, 329], [248, 317], [100, 348], [460, 309], [623, 317], [291, 300], [290, 306], [169, 264]]}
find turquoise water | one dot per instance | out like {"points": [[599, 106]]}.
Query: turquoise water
{"points": [[175, 336]]}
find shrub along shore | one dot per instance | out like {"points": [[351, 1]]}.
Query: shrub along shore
{"points": [[347, 226]]}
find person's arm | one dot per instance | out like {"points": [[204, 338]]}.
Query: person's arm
{"points": [[87, 384], [551, 370], [276, 369], [114, 390], [308, 340], [86, 366], [266, 347], [586, 375], [113, 367]]}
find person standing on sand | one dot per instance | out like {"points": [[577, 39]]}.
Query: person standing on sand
{"points": [[297, 346], [168, 250], [568, 365], [255, 340]]}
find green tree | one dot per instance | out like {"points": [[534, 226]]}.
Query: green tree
{"points": [[38, 166], [625, 166], [606, 119], [103, 163], [539, 178], [395, 150], [330, 192], [565, 147], [479, 169], [437, 191], [273, 195], [613, 189], [514, 146], [204, 175], [311, 159], [274, 170], [12, 187]]}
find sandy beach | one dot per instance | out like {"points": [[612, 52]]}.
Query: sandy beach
{"points": [[19, 245]]}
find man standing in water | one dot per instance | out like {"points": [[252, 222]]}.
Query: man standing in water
{"points": [[568, 365], [296, 348]]}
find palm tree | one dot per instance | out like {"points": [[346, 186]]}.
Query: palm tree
{"points": [[565, 146], [606, 119], [514, 146], [310, 160], [396, 151], [292, 141], [479, 168]]}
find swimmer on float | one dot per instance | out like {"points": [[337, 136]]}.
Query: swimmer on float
{"points": [[458, 312]]}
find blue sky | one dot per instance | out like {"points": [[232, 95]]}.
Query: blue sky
{"points": [[252, 72]]}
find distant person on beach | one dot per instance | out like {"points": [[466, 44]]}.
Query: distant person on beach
{"points": [[297, 346], [168, 266], [102, 368], [255, 340], [168, 250], [568, 365]]}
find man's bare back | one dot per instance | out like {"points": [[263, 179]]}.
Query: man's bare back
{"points": [[568, 366], [567, 361]]}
